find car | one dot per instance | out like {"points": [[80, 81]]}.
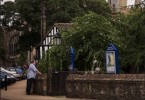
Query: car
{"points": [[10, 78], [12, 69], [17, 76], [17, 70]]}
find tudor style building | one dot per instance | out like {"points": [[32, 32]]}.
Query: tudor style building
{"points": [[48, 41]]}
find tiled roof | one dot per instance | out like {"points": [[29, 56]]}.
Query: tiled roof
{"points": [[62, 26]]}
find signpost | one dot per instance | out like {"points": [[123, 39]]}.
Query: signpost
{"points": [[112, 65]]}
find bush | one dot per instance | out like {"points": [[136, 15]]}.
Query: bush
{"points": [[42, 66]]}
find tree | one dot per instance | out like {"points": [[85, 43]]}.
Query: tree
{"points": [[28, 15], [134, 53], [10, 16], [28, 39], [29, 12], [57, 11], [130, 39], [89, 36]]}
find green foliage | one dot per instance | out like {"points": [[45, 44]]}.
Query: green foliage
{"points": [[56, 11], [28, 39], [42, 66], [10, 15], [89, 37], [58, 58], [29, 12], [100, 7], [92, 34], [134, 55], [93, 28], [130, 39]]}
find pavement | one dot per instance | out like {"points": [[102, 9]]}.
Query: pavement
{"points": [[16, 91]]}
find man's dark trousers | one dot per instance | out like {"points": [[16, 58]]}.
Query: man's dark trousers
{"points": [[30, 82]]}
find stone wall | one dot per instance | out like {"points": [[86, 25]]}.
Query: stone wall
{"points": [[40, 86], [56, 84], [106, 86]]}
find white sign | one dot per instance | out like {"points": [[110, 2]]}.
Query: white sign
{"points": [[110, 62]]}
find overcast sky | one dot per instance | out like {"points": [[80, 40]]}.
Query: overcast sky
{"points": [[130, 2]]}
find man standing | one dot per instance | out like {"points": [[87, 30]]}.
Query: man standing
{"points": [[31, 75]]}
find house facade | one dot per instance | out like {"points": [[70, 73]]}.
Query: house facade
{"points": [[49, 40]]}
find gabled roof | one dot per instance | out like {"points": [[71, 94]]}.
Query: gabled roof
{"points": [[62, 26], [59, 26]]}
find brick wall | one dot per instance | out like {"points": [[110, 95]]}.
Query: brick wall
{"points": [[106, 86]]}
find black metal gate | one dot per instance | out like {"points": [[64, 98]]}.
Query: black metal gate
{"points": [[58, 83]]}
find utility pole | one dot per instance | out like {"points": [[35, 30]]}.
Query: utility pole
{"points": [[43, 33], [43, 19]]}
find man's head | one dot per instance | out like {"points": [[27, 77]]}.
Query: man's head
{"points": [[33, 62]]}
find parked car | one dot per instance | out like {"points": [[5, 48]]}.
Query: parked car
{"points": [[17, 70], [10, 78], [17, 76], [12, 69]]}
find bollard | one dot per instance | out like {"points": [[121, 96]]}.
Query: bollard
{"points": [[5, 82]]}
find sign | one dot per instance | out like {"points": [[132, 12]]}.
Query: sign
{"points": [[112, 65]]}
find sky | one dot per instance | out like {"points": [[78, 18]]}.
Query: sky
{"points": [[130, 2]]}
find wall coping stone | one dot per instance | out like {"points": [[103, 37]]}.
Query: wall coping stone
{"points": [[107, 77]]}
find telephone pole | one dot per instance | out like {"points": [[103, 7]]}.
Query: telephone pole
{"points": [[43, 19]]}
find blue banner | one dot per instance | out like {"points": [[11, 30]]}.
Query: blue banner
{"points": [[71, 67]]}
